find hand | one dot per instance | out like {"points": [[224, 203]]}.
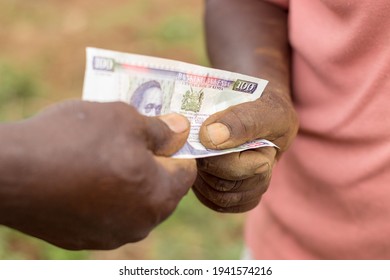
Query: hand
{"points": [[235, 182], [94, 175], [260, 48]]}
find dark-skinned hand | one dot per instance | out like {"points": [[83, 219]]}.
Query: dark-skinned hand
{"points": [[236, 182], [85, 175]]}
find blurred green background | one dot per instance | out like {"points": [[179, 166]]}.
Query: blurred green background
{"points": [[42, 60]]}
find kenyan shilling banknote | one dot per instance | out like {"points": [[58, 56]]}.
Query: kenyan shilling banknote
{"points": [[157, 86]]}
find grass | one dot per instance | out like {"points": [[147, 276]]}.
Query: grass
{"points": [[18, 87], [42, 59], [17, 246], [185, 234]]}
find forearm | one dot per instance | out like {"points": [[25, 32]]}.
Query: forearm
{"points": [[250, 37]]}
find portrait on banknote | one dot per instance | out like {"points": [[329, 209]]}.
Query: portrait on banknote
{"points": [[148, 98]]}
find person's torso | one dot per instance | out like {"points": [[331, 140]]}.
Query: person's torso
{"points": [[330, 193]]}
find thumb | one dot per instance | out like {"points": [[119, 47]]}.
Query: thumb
{"points": [[240, 124], [166, 134]]}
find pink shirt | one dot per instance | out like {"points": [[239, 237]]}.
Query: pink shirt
{"points": [[330, 193]]}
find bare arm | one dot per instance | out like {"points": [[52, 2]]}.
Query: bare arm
{"points": [[250, 37], [85, 175]]}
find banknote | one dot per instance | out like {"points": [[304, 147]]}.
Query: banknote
{"points": [[157, 86]]}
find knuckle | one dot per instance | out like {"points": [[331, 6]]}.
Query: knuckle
{"points": [[227, 167], [229, 199], [213, 165], [238, 174], [265, 177], [227, 185], [137, 174], [209, 192], [224, 200], [241, 194], [241, 123]]}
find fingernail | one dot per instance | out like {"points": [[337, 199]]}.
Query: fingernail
{"points": [[218, 133], [177, 123]]}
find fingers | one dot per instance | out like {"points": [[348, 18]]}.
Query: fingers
{"points": [[180, 172], [231, 196], [234, 182], [176, 178], [222, 185], [267, 117], [229, 202], [166, 134], [239, 166]]}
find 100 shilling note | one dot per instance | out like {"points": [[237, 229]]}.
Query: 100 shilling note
{"points": [[157, 86]]}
